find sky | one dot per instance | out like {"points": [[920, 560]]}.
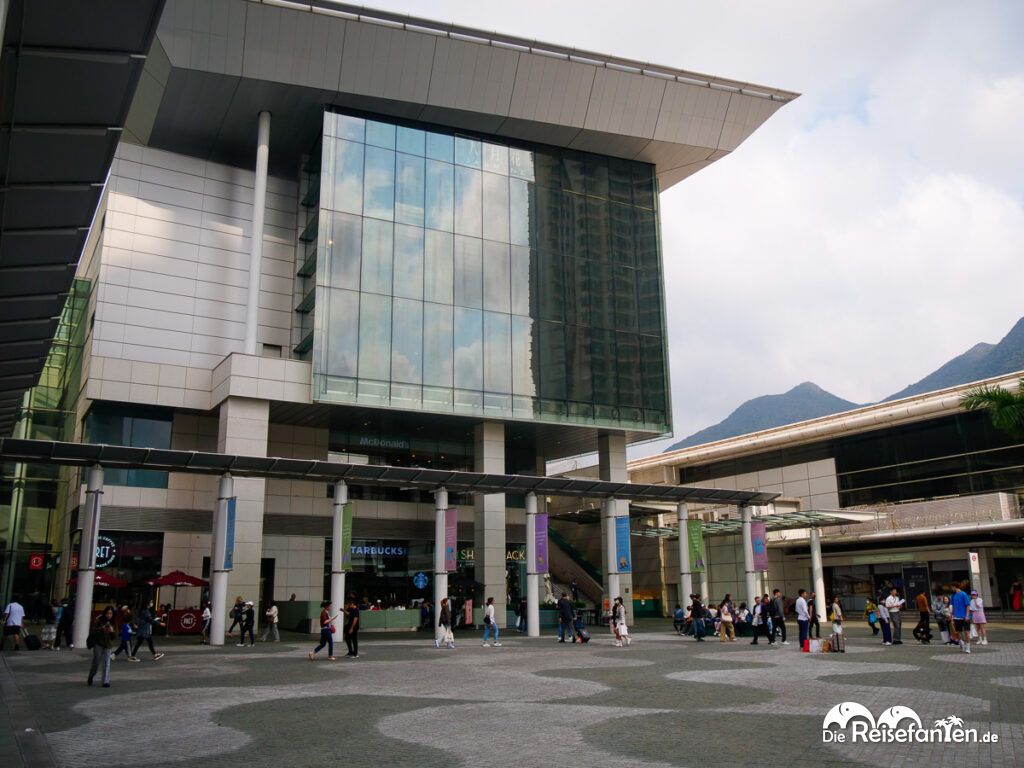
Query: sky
{"points": [[869, 231]]}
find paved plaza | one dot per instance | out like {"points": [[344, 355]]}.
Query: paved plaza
{"points": [[664, 701]]}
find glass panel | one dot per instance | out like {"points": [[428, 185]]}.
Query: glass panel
{"points": [[598, 230], [625, 299], [342, 340], [380, 134], [468, 272], [519, 212], [627, 352], [597, 176], [375, 337], [574, 223], [652, 350], [496, 275], [573, 173], [497, 352], [551, 285], [379, 188], [377, 250], [620, 181], [408, 261], [521, 163], [649, 301], [409, 190], [344, 248], [577, 345], [346, 127], [602, 364], [469, 362], [348, 177], [523, 382], [440, 195], [407, 347], [577, 292], [552, 360], [549, 219], [495, 158], [438, 267], [468, 205], [495, 223], [621, 217], [548, 170], [438, 356], [411, 141], [644, 185], [440, 147], [520, 282], [602, 296], [646, 234], [467, 152]]}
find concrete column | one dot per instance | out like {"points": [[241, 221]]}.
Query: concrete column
{"points": [[748, 555], [259, 207], [818, 575], [611, 454], [337, 550], [243, 427], [218, 566], [685, 575], [440, 573], [489, 564], [90, 521], [532, 576], [612, 582]]}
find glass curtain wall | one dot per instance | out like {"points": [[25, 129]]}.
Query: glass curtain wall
{"points": [[469, 276]]}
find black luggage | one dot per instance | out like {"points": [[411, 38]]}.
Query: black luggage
{"points": [[32, 642]]}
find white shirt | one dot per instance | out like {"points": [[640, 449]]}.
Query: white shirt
{"points": [[489, 611], [15, 615], [837, 612], [894, 604], [206, 614], [883, 612], [801, 610], [272, 614]]}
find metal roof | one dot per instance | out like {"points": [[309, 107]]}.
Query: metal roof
{"points": [[67, 76], [112, 456], [778, 521]]}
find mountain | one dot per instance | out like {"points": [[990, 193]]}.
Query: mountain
{"points": [[804, 401], [809, 401]]}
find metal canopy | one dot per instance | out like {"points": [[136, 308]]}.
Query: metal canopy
{"points": [[779, 521], [118, 457], [68, 73]]}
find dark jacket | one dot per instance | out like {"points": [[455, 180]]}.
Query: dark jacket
{"points": [[696, 610], [103, 633], [249, 615], [444, 618], [565, 609], [776, 608]]}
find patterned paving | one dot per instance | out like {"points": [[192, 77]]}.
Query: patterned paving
{"points": [[664, 701]]}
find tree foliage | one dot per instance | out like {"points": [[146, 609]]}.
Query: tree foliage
{"points": [[1006, 408]]}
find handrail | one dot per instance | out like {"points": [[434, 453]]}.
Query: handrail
{"points": [[574, 555]]}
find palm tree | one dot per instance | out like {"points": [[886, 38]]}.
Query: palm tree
{"points": [[1005, 408]]}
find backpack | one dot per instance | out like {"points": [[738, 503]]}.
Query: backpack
{"points": [[90, 641]]}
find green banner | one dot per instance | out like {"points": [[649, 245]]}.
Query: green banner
{"points": [[695, 538], [346, 537]]}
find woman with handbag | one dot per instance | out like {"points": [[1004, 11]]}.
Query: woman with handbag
{"points": [[444, 620], [326, 631], [725, 619], [837, 616], [490, 626], [619, 623]]}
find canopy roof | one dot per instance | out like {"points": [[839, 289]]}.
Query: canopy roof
{"points": [[778, 521]]}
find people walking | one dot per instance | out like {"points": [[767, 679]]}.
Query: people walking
{"points": [[619, 623], [922, 630], [777, 613], [14, 617], [444, 620], [961, 606], [204, 636], [803, 619], [814, 627], [326, 631], [49, 631], [871, 616], [237, 614], [697, 618], [490, 624], [126, 633], [894, 603], [147, 619], [248, 624], [350, 630], [270, 631], [574, 588], [565, 618], [64, 624], [883, 619], [102, 639], [978, 620], [726, 621]]}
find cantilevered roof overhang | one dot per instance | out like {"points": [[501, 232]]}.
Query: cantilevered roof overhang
{"points": [[68, 73], [777, 521], [117, 457]]}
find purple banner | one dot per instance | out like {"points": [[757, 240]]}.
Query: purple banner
{"points": [[540, 523], [451, 535], [759, 543]]}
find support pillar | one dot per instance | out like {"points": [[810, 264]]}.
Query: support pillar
{"points": [[532, 575], [611, 567], [818, 574], [611, 455], [490, 567], [220, 561], [440, 573], [748, 555], [87, 554], [685, 575], [338, 551], [259, 207]]}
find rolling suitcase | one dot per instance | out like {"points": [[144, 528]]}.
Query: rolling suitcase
{"points": [[32, 642], [838, 643]]}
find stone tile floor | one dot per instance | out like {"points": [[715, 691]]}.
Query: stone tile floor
{"points": [[664, 701]]}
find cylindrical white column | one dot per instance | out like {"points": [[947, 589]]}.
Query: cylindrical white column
{"points": [[818, 574], [611, 567], [440, 573], [259, 207], [685, 576], [748, 554], [337, 550], [218, 566], [532, 576], [87, 555]]}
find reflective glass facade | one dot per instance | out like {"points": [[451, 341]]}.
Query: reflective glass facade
{"points": [[469, 276]]}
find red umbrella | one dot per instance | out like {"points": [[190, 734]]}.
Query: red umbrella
{"points": [[177, 579], [103, 579]]}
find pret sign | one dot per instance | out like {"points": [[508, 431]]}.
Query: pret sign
{"points": [[36, 561]]}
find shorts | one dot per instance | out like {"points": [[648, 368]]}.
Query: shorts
{"points": [[11, 630], [961, 624]]}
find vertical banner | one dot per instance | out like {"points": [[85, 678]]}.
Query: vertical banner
{"points": [[759, 543], [622, 562], [540, 522], [695, 538], [974, 565], [229, 537], [451, 535], [346, 537]]}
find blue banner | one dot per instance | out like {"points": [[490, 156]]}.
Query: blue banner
{"points": [[622, 560], [229, 537]]}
